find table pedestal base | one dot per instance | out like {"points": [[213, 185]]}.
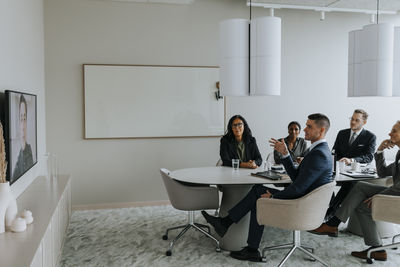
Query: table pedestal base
{"points": [[236, 236]]}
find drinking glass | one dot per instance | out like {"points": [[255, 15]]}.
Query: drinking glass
{"points": [[235, 164]]}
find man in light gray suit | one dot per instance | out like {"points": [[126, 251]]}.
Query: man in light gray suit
{"points": [[360, 198]]}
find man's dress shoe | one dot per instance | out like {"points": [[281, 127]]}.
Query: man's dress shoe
{"points": [[216, 223], [325, 229]]}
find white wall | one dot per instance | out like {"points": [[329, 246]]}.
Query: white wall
{"points": [[22, 66], [314, 79]]}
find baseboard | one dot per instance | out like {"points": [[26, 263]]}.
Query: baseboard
{"points": [[120, 205]]}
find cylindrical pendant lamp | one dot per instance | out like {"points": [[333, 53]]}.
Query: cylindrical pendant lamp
{"points": [[265, 56], [354, 65], [396, 63], [234, 57], [374, 75]]}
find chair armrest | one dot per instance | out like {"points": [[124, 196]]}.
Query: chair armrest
{"points": [[386, 208], [288, 214]]}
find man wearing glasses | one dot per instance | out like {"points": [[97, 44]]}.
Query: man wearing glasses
{"points": [[354, 144]]}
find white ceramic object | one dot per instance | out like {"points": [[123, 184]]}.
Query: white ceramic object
{"points": [[355, 167], [27, 216], [18, 225], [8, 207], [342, 166]]}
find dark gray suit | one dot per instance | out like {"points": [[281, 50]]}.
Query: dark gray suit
{"points": [[361, 150], [362, 190]]}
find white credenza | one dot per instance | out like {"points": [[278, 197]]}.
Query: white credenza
{"points": [[40, 245]]}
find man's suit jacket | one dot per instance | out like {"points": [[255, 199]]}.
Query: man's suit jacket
{"points": [[228, 151], [314, 170], [362, 149], [389, 170]]}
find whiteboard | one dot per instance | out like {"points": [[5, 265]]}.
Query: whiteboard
{"points": [[133, 101]]}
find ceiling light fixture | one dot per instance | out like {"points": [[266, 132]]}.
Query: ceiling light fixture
{"points": [[374, 60], [250, 56]]}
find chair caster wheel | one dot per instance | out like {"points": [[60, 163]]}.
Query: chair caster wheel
{"points": [[168, 253], [312, 259], [264, 259], [370, 261], [165, 237], [218, 250]]}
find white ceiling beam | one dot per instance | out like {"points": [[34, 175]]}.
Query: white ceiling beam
{"points": [[319, 8]]}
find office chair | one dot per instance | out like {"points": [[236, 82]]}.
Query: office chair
{"points": [[305, 213], [385, 208], [190, 199]]}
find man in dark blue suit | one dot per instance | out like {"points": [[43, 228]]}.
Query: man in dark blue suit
{"points": [[314, 171], [352, 145]]}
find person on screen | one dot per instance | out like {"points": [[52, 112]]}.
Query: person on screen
{"points": [[25, 158], [296, 145], [238, 143]]}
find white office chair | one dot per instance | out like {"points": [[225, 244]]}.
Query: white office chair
{"points": [[385, 208], [305, 213], [219, 163], [270, 158], [190, 199]]}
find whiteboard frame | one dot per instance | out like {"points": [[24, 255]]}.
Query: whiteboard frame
{"points": [[144, 137]]}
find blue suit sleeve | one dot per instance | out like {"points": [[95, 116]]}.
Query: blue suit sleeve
{"points": [[291, 170], [311, 170]]}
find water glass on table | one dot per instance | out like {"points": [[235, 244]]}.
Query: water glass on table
{"points": [[235, 164], [341, 166]]}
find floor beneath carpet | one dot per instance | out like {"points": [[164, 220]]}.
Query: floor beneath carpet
{"points": [[132, 237]]}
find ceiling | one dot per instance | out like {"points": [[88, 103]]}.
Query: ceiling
{"points": [[388, 5], [384, 5]]}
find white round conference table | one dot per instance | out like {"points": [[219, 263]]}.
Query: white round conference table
{"points": [[234, 186]]}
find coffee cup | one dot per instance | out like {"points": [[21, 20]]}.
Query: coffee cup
{"points": [[355, 167]]}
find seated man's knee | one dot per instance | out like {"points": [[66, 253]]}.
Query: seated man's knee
{"points": [[259, 189], [359, 186], [363, 208]]}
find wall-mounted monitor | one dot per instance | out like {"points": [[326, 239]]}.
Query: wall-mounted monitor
{"points": [[20, 133]]}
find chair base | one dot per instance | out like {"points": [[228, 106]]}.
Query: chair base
{"points": [[293, 246], [391, 246], [190, 224]]}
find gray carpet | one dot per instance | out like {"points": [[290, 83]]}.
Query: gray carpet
{"points": [[132, 237]]}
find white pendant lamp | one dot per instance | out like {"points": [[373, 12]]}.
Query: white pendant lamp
{"points": [[374, 60], [234, 57], [265, 56], [371, 60], [396, 64], [250, 57]]}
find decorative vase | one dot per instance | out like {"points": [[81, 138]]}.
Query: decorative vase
{"points": [[8, 207]]}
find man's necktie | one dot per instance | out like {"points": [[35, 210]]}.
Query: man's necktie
{"points": [[353, 137]]}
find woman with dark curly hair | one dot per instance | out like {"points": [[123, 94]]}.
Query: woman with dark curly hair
{"points": [[296, 145], [238, 143]]}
